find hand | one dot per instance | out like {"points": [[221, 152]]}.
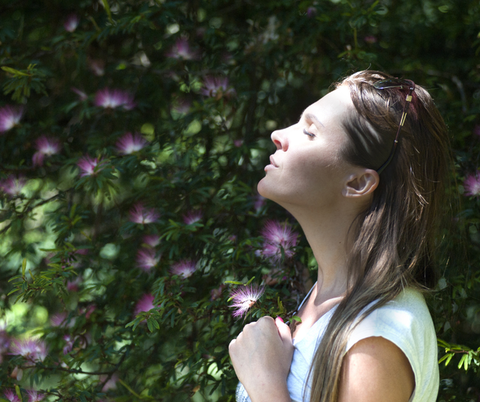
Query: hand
{"points": [[261, 356]]}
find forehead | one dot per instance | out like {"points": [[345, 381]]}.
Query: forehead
{"points": [[332, 108]]}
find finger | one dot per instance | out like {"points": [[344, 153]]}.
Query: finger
{"points": [[283, 330]]}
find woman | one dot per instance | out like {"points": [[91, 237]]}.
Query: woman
{"points": [[363, 172]]}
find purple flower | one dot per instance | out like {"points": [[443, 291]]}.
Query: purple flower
{"points": [[9, 117], [144, 304], [151, 240], [31, 349], [90, 166], [11, 395], [472, 185], [71, 23], [216, 87], [182, 50], [130, 143], [69, 341], [142, 215], [34, 396], [244, 298], [13, 185], [81, 95], [46, 146], [278, 237], [113, 98], [146, 259], [192, 217], [184, 268]]}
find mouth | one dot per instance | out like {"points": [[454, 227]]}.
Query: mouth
{"points": [[272, 161], [272, 164]]}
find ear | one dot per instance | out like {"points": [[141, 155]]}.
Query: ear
{"points": [[363, 183]]}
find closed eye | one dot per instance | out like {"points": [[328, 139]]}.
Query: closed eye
{"points": [[307, 133]]}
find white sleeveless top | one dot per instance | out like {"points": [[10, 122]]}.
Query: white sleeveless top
{"points": [[405, 321]]}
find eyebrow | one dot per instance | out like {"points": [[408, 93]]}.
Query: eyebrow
{"points": [[312, 117]]}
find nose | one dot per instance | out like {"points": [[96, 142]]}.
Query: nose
{"points": [[280, 140]]}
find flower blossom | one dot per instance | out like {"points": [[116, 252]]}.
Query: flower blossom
{"points": [[145, 303], [182, 50], [472, 184], [184, 268], [9, 117], [71, 23], [31, 349], [278, 237], [216, 87], [13, 185], [192, 217], [244, 298], [130, 143], [90, 166], [151, 240], [113, 98], [46, 146], [146, 259], [142, 215], [11, 395], [34, 396]]}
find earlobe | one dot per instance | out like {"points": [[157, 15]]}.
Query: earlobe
{"points": [[361, 184]]}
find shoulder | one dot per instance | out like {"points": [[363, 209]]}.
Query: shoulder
{"points": [[368, 369]]}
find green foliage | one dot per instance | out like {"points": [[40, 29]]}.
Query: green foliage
{"points": [[93, 223]]}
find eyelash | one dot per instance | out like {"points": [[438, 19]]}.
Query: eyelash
{"points": [[307, 133]]}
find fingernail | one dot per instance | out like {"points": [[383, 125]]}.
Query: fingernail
{"points": [[280, 318]]}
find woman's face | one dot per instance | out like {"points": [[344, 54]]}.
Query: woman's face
{"points": [[308, 168]]}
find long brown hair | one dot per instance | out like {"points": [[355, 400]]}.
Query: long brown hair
{"points": [[395, 237]]}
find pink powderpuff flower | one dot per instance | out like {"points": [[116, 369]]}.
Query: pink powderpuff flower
{"points": [[244, 298], [184, 268], [216, 87], [10, 116], [278, 237], [13, 185], [472, 185], [90, 166], [144, 304], [34, 396], [130, 143], [46, 146], [113, 98], [81, 95], [31, 349], [147, 259], [182, 50], [151, 240], [11, 395], [71, 23], [192, 217], [142, 215]]}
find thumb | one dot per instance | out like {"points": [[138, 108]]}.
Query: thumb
{"points": [[283, 330]]}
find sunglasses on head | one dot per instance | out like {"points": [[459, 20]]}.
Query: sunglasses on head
{"points": [[401, 84]]}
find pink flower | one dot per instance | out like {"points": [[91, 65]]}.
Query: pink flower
{"points": [[34, 396], [71, 23], [69, 341], [151, 240], [11, 395], [216, 87], [216, 293], [244, 298], [182, 50], [192, 217], [142, 215], [46, 146], [130, 143], [144, 304], [278, 237], [147, 259], [31, 349], [9, 117], [81, 95], [90, 166], [113, 98], [13, 185], [472, 185], [184, 268]]}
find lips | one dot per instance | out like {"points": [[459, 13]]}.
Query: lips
{"points": [[272, 161]]}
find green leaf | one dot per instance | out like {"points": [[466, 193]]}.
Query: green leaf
{"points": [[297, 319]]}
